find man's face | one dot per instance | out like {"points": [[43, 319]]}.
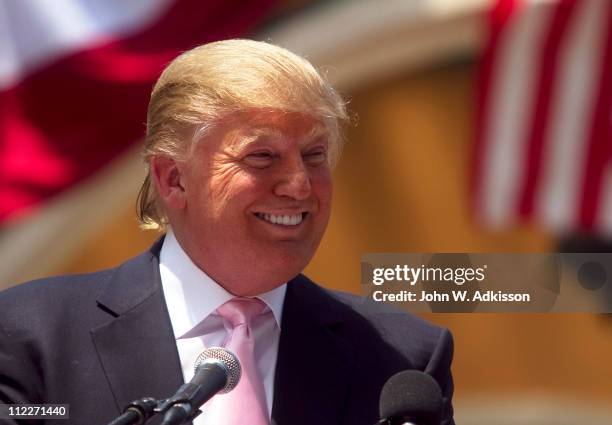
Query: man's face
{"points": [[257, 193]]}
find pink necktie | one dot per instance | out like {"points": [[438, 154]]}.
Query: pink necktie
{"points": [[245, 404]]}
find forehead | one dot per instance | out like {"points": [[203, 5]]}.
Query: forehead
{"points": [[239, 130], [274, 124]]}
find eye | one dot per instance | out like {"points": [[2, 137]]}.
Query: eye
{"points": [[315, 157], [261, 159]]}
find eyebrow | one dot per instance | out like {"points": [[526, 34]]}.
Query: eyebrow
{"points": [[257, 134]]}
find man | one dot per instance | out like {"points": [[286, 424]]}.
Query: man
{"points": [[241, 139]]}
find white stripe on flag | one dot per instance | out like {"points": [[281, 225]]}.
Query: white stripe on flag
{"points": [[572, 110], [512, 89], [603, 222], [35, 32]]}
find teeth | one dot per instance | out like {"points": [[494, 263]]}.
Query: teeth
{"points": [[285, 220]]}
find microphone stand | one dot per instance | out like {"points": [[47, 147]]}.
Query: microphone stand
{"points": [[137, 412], [182, 400]]}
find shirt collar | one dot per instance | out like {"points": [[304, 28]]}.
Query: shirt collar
{"points": [[191, 295]]}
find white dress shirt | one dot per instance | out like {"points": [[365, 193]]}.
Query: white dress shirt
{"points": [[192, 298]]}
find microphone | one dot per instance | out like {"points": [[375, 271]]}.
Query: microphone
{"points": [[217, 370], [411, 397]]}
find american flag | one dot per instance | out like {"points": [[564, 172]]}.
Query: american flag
{"points": [[544, 134]]}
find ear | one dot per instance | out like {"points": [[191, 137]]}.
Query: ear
{"points": [[167, 178]]}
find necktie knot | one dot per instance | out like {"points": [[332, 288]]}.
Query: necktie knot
{"points": [[239, 311]]}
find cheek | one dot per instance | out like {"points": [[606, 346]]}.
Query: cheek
{"points": [[232, 191], [322, 187], [222, 186]]}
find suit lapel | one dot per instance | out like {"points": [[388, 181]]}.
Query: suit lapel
{"points": [[136, 347], [314, 363]]}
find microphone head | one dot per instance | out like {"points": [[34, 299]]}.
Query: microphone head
{"points": [[412, 394], [227, 360]]}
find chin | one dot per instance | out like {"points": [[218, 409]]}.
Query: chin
{"points": [[277, 277], [271, 278]]}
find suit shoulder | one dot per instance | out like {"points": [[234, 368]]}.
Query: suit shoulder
{"points": [[365, 319], [47, 288], [385, 314], [31, 304], [79, 286]]}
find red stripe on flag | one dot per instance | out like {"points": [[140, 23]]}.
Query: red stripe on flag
{"points": [[66, 121], [599, 152], [540, 119], [498, 18]]}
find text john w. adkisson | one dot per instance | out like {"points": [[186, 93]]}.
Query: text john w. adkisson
{"points": [[439, 275]]}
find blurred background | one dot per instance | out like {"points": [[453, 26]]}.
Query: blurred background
{"points": [[479, 126]]}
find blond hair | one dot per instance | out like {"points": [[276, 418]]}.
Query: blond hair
{"points": [[204, 84]]}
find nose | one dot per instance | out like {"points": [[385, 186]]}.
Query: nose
{"points": [[294, 181]]}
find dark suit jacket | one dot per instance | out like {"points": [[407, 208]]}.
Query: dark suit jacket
{"points": [[101, 340]]}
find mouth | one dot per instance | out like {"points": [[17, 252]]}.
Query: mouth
{"points": [[282, 219]]}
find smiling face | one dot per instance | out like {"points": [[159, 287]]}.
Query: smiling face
{"points": [[256, 199]]}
